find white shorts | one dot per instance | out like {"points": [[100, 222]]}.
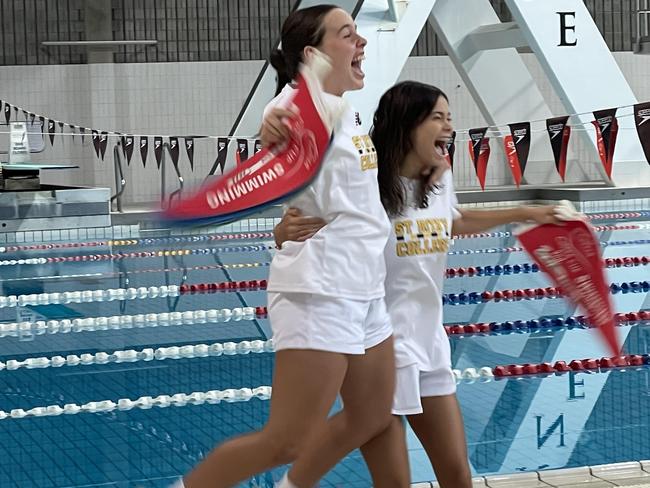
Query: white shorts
{"points": [[412, 385], [322, 323]]}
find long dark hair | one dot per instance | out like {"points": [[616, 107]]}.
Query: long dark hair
{"points": [[300, 29], [401, 109]]}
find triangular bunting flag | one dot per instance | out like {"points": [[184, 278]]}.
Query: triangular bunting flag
{"points": [[189, 148], [144, 149], [559, 133], [642, 119], [158, 149], [606, 132]]}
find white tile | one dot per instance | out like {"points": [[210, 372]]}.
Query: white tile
{"points": [[523, 480], [572, 477], [622, 474]]}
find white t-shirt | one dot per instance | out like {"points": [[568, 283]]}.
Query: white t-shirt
{"points": [[346, 257], [416, 257]]}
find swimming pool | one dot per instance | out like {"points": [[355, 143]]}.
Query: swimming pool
{"points": [[133, 387]]}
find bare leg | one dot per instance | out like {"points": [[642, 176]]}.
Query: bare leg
{"points": [[367, 393], [305, 385], [387, 457], [442, 434]]}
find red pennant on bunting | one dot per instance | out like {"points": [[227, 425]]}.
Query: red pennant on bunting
{"points": [[570, 255], [242, 151], [513, 160], [270, 175], [606, 131], [479, 153], [521, 144]]}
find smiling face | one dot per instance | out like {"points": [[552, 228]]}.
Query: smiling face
{"points": [[429, 139], [345, 48]]}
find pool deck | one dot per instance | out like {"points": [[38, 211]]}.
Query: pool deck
{"points": [[630, 475]]}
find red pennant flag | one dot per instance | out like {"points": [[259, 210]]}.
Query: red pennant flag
{"points": [[242, 151], [521, 145], [513, 160], [559, 132], [606, 131], [272, 174], [642, 119], [570, 255], [479, 152]]}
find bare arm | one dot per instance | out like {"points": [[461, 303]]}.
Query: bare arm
{"points": [[295, 227], [474, 221]]}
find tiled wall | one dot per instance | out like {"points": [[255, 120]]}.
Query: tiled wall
{"points": [[204, 98]]}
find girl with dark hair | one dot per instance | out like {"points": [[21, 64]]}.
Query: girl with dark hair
{"points": [[410, 131], [331, 330]]}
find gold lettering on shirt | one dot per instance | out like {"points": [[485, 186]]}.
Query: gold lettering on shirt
{"points": [[367, 152], [421, 237]]}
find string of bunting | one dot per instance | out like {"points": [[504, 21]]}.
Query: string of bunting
{"points": [[516, 143], [100, 139]]}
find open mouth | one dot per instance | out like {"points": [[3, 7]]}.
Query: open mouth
{"points": [[441, 147], [356, 65]]}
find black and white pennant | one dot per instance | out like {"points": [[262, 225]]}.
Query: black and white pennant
{"points": [[174, 150], [158, 149], [103, 142], [128, 148], [144, 149], [51, 129], [189, 148], [96, 141]]}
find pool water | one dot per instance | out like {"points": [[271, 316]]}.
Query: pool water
{"points": [[516, 424]]}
